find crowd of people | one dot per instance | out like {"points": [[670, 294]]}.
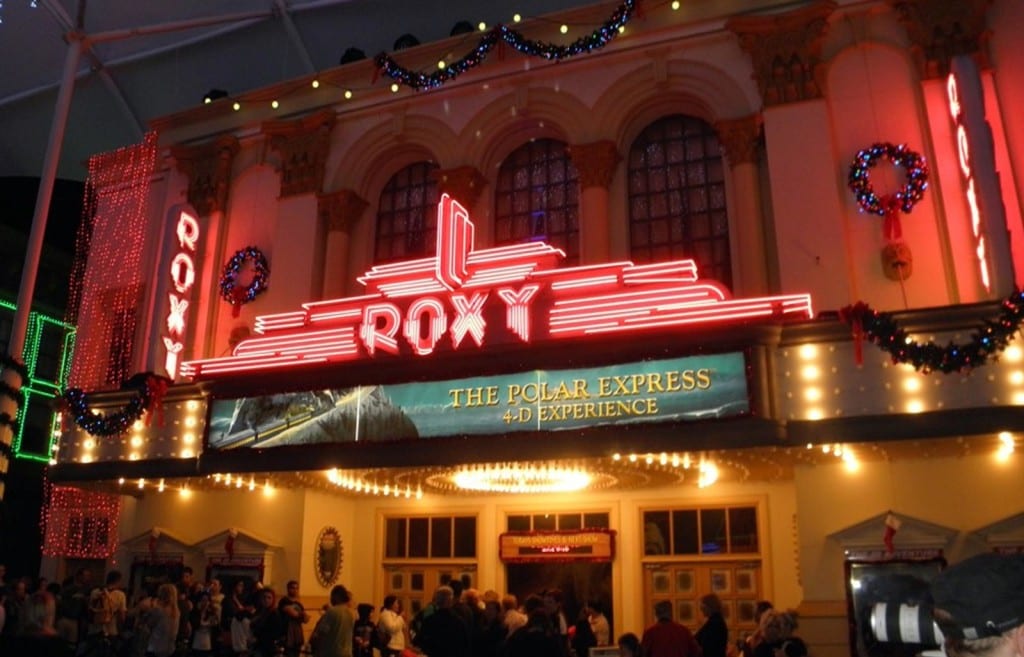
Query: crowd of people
{"points": [[978, 604]]}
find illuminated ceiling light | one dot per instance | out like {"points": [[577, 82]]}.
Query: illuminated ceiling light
{"points": [[190, 421], [227, 479], [185, 492], [1013, 354], [134, 456], [912, 384], [812, 394], [408, 490], [187, 453], [649, 459], [189, 438], [663, 459], [142, 482], [815, 414], [1006, 438], [632, 458], [810, 445], [89, 443], [825, 449], [616, 456], [135, 441], [808, 351], [850, 462], [315, 84], [810, 372], [252, 483], [161, 486], [686, 461], [1017, 377], [120, 481], [708, 474], [216, 478], [915, 406], [214, 94], [191, 405], [138, 425], [675, 460], [268, 490], [1018, 399], [675, 5], [419, 492], [837, 449], [526, 479], [86, 458]]}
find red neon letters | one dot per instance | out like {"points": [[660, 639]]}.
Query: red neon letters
{"points": [[513, 293], [964, 153], [183, 277]]}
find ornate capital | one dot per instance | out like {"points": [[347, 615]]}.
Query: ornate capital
{"points": [[303, 146], [939, 30], [208, 167], [595, 163], [461, 183], [786, 51], [740, 138], [340, 210]]}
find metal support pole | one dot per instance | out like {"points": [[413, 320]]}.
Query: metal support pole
{"points": [[34, 248]]}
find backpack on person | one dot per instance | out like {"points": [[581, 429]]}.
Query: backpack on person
{"points": [[101, 607]]}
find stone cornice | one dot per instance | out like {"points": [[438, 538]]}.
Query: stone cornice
{"points": [[303, 146], [208, 167], [463, 184], [595, 163], [740, 138], [942, 29], [786, 51], [340, 210]]}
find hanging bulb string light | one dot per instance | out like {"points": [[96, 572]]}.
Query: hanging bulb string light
{"points": [[598, 38], [986, 343]]}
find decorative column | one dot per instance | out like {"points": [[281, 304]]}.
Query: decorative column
{"points": [[302, 146], [338, 212], [939, 31], [807, 197], [208, 169], [596, 164], [741, 139]]}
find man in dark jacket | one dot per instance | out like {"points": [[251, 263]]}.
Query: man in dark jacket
{"points": [[443, 633]]}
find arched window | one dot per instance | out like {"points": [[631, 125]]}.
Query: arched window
{"points": [[407, 215], [536, 198], [677, 197]]}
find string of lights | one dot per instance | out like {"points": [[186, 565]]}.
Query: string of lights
{"points": [[503, 33], [148, 393], [80, 524], [109, 295]]}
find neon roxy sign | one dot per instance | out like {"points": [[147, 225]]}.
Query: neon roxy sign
{"points": [[466, 298], [963, 150], [182, 273]]}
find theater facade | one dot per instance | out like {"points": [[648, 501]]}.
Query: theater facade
{"points": [[692, 301]]}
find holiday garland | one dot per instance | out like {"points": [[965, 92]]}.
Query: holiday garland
{"points": [[888, 205], [987, 342], [449, 71], [229, 288], [149, 391]]}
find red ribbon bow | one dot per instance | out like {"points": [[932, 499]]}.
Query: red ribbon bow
{"points": [[891, 228], [854, 316]]}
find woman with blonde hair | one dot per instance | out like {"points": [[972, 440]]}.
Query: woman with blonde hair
{"points": [[163, 620]]}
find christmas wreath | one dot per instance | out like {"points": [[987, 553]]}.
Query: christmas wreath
{"points": [[232, 292], [888, 205], [149, 391], [987, 342]]}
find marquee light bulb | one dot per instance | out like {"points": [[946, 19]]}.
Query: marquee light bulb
{"points": [[348, 94], [482, 26], [237, 106], [516, 18], [394, 87], [274, 104], [675, 5], [564, 29], [315, 84]]}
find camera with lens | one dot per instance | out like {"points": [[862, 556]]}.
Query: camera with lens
{"points": [[904, 623]]}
